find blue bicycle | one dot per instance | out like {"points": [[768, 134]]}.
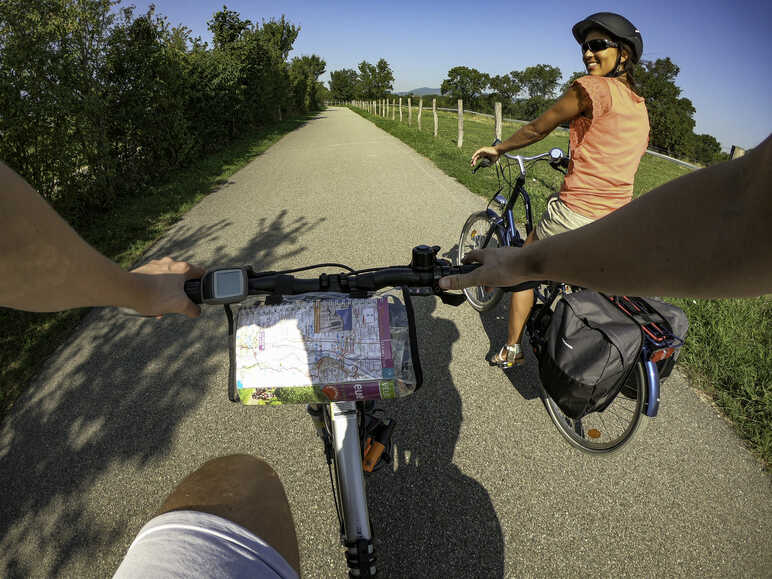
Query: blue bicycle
{"points": [[611, 427]]}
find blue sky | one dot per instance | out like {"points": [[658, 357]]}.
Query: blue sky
{"points": [[721, 47]]}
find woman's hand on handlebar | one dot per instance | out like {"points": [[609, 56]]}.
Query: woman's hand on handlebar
{"points": [[485, 152], [499, 268], [160, 288]]}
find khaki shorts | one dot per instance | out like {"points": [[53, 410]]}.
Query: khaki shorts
{"points": [[558, 218]]}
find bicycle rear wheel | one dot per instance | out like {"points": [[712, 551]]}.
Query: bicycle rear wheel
{"points": [[472, 237], [607, 431]]}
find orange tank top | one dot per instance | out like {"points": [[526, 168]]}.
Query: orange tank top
{"points": [[605, 149]]}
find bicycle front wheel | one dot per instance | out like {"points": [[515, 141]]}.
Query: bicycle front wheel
{"points": [[607, 431], [473, 236]]}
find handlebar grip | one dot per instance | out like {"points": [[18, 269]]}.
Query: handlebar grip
{"points": [[484, 163], [193, 290]]}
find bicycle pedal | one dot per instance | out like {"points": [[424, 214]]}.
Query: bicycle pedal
{"points": [[378, 447]]}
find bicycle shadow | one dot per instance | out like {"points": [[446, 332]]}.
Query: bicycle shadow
{"points": [[525, 378], [426, 513]]}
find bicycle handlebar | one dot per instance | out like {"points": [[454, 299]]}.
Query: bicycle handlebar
{"points": [[557, 159], [422, 275]]}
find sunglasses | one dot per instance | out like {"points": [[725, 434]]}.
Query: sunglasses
{"points": [[597, 44]]}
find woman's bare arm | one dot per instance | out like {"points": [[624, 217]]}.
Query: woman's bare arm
{"points": [[568, 107]]}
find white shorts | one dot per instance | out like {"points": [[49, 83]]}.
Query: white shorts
{"points": [[558, 218], [196, 544]]}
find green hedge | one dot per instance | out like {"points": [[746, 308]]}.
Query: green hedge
{"points": [[96, 102]]}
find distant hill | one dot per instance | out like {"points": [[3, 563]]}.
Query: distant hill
{"points": [[421, 91]]}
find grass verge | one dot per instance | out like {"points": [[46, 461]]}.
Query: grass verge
{"points": [[123, 234], [728, 353]]}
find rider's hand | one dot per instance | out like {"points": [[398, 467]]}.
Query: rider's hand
{"points": [[499, 268], [161, 288], [489, 152]]}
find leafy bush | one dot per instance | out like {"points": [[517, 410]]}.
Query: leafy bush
{"points": [[97, 102]]}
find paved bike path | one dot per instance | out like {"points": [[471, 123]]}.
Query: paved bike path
{"points": [[482, 483]]}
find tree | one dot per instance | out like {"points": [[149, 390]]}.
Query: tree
{"points": [[670, 115], [384, 79], [707, 149], [226, 27], [304, 76], [541, 80], [507, 87], [343, 84], [279, 36], [366, 83], [465, 83], [571, 79]]}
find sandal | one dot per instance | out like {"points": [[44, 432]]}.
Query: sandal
{"points": [[508, 356]]}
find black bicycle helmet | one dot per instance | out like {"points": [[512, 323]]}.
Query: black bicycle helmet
{"points": [[615, 25]]}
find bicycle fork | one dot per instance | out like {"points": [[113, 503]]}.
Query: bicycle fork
{"points": [[344, 448]]}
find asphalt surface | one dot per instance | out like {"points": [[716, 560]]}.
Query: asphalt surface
{"points": [[483, 486]]}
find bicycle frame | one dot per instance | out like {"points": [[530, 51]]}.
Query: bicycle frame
{"points": [[504, 223], [349, 472], [337, 424]]}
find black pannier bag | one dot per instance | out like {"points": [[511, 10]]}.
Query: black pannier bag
{"points": [[587, 351]]}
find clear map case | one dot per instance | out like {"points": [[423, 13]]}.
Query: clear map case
{"points": [[325, 348]]}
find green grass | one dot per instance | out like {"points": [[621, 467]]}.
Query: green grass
{"points": [[123, 234], [728, 352]]}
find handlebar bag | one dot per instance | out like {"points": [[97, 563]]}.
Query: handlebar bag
{"points": [[324, 347], [588, 349]]}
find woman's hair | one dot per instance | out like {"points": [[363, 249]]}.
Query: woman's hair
{"points": [[628, 68]]}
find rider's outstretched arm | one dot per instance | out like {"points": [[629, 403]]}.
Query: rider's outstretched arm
{"points": [[569, 106], [706, 234], [45, 266]]}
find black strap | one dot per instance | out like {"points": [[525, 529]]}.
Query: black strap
{"points": [[419, 376], [233, 394]]}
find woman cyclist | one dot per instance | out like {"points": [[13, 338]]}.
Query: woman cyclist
{"points": [[609, 133]]}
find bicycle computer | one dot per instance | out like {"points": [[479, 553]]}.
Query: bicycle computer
{"points": [[225, 285]]}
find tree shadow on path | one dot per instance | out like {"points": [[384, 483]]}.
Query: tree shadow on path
{"points": [[109, 403]]}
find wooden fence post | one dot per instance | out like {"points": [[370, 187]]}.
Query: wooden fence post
{"points": [[498, 120], [460, 123], [434, 113], [420, 110], [387, 109], [409, 111], [400, 109]]}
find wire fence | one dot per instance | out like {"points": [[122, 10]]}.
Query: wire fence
{"points": [[405, 110]]}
